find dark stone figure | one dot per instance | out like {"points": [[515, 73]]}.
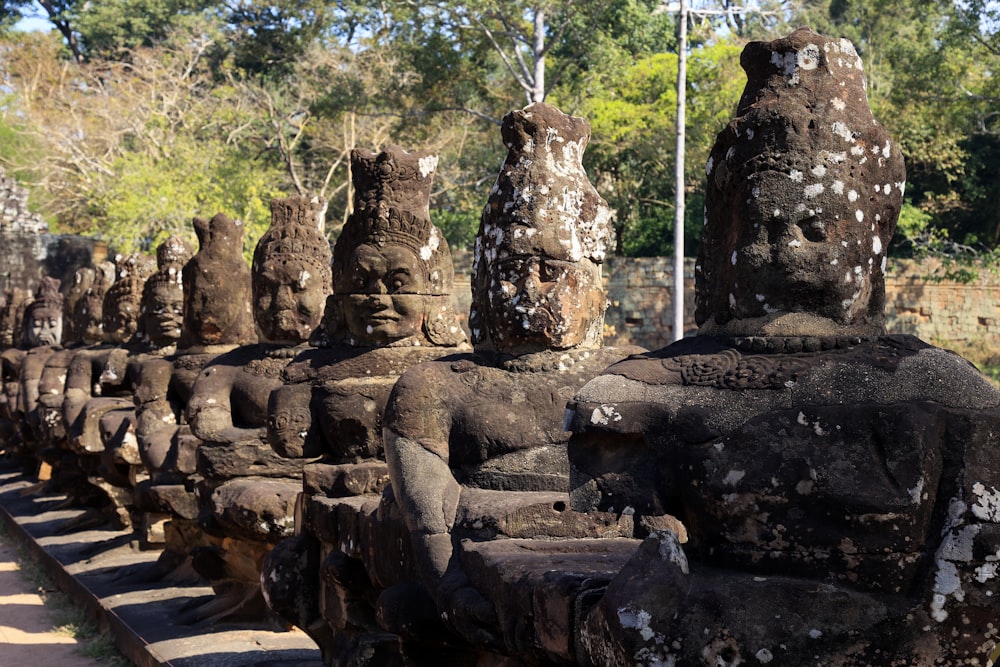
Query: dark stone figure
{"points": [[246, 491], [839, 485], [41, 338], [475, 442], [102, 366], [217, 318], [82, 307], [391, 308]]}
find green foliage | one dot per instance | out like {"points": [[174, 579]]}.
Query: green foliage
{"points": [[154, 198], [192, 106], [111, 28], [633, 109]]}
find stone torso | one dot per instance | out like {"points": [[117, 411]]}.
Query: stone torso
{"points": [[505, 424], [780, 459]]}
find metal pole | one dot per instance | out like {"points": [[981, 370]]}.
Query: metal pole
{"points": [[679, 173]]}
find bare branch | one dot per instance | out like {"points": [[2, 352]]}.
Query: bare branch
{"points": [[510, 67]]}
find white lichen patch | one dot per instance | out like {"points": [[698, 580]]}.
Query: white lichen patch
{"points": [[795, 175], [764, 656], [636, 619], [733, 477], [838, 104], [427, 165], [987, 506], [986, 572], [808, 57], [819, 171], [604, 415], [841, 130], [852, 195], [876, 245], [785, 62], [813, 190]]}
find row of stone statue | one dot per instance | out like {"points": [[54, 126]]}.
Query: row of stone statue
{"points": [[319, 441]]}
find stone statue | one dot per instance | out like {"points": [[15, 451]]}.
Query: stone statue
{"points": [[11, 355], [839, 485], [473, 440], [242, 478], [390, 309], [119, 315], [41, 336], [83, 308], [43, 316], [217, 318], [157, 332]]}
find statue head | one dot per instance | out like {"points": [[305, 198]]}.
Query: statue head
{"points": [[291, 271], [121, 306], [544, 233], [12, 316], [290, 427], [218, 304], [43, 316], [87, 313], [804, 189], [392, 271], [162, 305], [72, 326]]}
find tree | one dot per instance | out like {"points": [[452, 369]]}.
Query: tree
{"points": [[132, 150]]}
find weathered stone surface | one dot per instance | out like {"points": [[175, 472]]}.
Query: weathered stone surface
{"points": [[540, 588], [792, 183], [242, 494], [223, 461], [43, 317], [253, 508], [820, 468], [467, 426], [391, 309], [350, 479], [543, 219], [487, 514], [217, 297]]}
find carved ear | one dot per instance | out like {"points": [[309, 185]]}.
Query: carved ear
{"points": [[333, 327], [441, 324]]}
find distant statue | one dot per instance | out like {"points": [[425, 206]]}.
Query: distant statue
{"points": [[478, 435], [838, 485], [82, 308], [157, 333], [11, 355], [391, 309], [242, 494], [120, 321], [41, 337], [217, 317]]}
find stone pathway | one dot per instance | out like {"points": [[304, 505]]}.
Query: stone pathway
{"points": [[27, 635]]}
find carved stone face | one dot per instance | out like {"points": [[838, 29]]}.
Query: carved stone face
{"points": [[539, 302], [90, 311], [164, 315], [289, 420], [45, 327], [385, 303], [288, 300]]}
